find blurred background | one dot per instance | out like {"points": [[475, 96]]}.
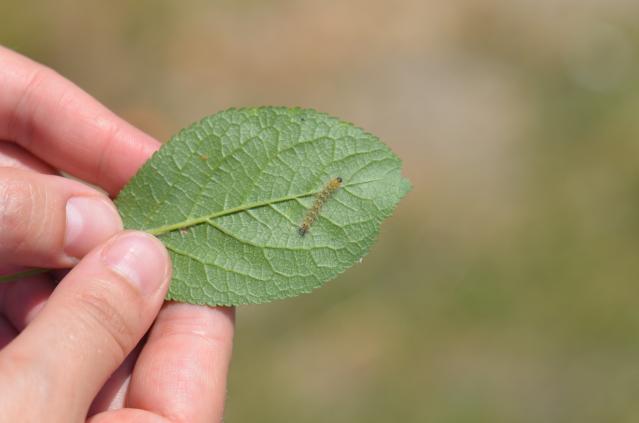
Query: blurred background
{"points": [[505, 286]]}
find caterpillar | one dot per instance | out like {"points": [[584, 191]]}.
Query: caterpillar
{"points": [[320, 199]]}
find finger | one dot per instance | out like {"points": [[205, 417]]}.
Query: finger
{"points": [[58, 122], [112, 395], [16, 157], [22, 300], [128, 415], [48, 221], [91, 322], [7, 332], [181, 372]]}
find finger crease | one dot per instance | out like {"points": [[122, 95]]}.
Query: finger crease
{"points": [[20, 129]]}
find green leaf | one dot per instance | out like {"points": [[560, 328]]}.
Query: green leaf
{"points": [[227, 195]]}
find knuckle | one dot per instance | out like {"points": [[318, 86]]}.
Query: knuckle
{"points": [[14, 362], [26, 381], [110, 133], [18, 203], [102, 313], [213, 332], [20, 126]]}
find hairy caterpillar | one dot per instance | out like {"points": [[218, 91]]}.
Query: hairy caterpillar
{"points": [[320, 199]]}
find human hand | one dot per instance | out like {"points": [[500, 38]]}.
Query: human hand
{"points": [[74, 351]]}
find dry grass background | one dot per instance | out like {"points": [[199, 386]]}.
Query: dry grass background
{"points": [[504, 288]]}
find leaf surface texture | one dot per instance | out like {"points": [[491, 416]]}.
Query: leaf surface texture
{"points": [[227, 196]]}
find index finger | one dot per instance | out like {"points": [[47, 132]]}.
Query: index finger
{"points": [[54, 119], [181, 371]]}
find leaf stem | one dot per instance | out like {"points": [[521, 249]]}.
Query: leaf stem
{"points": [[23, 274]]}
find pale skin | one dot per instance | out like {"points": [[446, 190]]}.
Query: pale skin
{"points": [[74, 351]]}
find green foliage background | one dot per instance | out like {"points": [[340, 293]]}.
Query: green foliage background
{"points": [[504, 288]]}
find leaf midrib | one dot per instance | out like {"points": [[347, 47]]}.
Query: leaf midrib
{"points": [[257, 204], [202, 219]]}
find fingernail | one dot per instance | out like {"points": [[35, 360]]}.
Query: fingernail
{"points": [[140, 258], [91, 220]]}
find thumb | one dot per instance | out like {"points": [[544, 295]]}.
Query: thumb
{"points": [[93, 319]]}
